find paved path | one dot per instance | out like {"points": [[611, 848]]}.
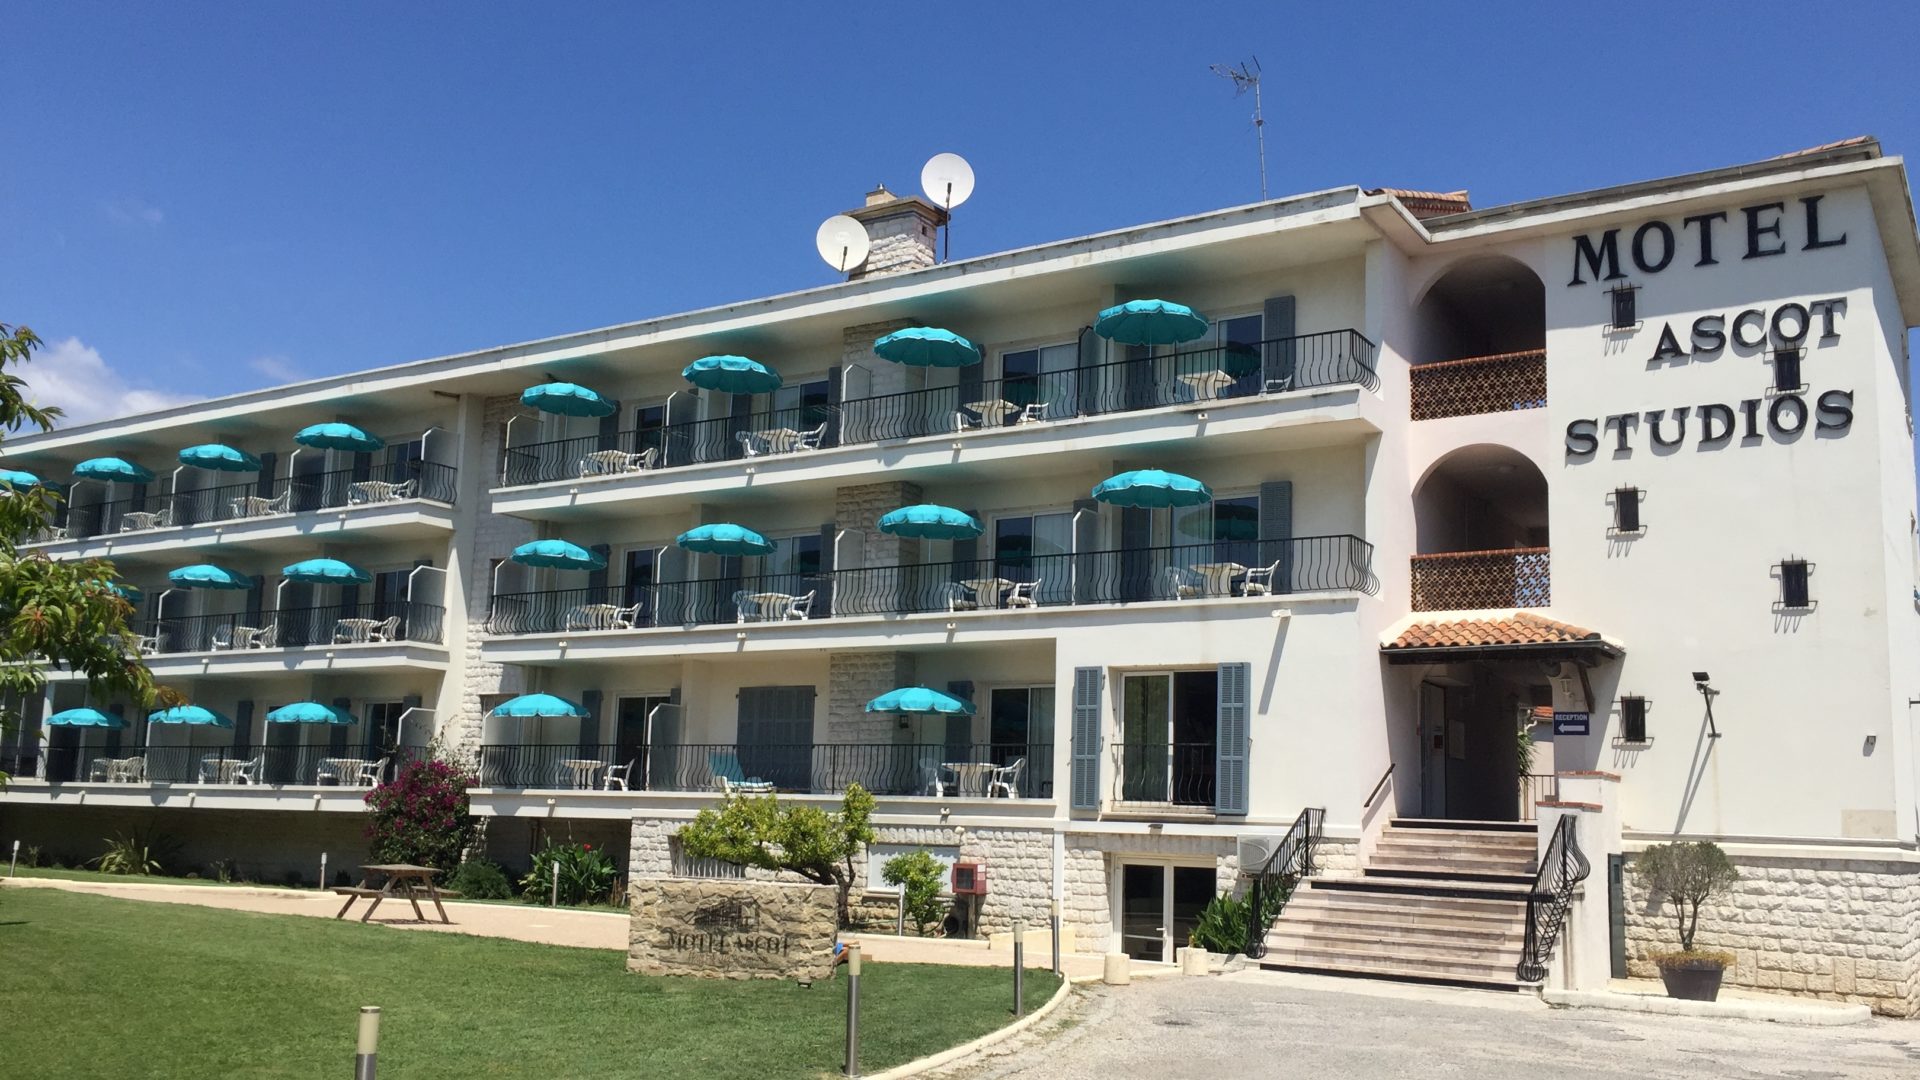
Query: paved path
{"points": [[1263, 1025]]}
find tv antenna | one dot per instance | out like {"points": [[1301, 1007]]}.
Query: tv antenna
{"points": [[843, 242], [948, 180], [1247, 77]]}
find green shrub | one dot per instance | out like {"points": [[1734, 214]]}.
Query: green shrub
{"points": [[587, 876], [1685, 875], [481, 879], [919, 876], [223, 870], [136, 854], [30, 855], [1222, 927]]}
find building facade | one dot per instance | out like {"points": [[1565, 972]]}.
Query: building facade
{"points": [[1598, 507]]}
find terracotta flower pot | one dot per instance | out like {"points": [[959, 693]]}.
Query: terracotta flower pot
{"points": [[1692, 979]]}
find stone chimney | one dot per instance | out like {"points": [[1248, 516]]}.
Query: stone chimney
{"points": [[903, 230]]}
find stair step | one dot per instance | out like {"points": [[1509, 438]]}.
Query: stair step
{"points": [[1446, 939], [1419, 965], [1382, 971], [1435, 840], [1417, 920], [1424, 860], [1447, 877], [1380, 894], [1464, 825], [1409, 886]]}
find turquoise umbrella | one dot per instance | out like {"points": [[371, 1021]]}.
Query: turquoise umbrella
{"points": [[113, 468], [919, 700], [208, 576], [86, 718], [927, 346], [926, 521], [126, 592], [338, 435], [1150, 322], [189, 714], [558, 555], [566, 399], [219, 457], [724, 539], [732, 374], [326, 572], [528, 706], [309, 712], [18, 478], [1152, 488]]}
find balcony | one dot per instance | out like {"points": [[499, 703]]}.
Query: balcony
{"points": [[1023, 770], [1235, 372], [1482, 580], [294, 628], [318, 765], [1483, 384], [1195, 573], [396, 482]]}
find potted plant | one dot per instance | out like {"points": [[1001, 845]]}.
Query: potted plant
{"points": [[1685, 875]]}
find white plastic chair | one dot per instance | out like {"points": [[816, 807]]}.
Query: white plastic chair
{"points": [[370, 773], [249, 772], [1006, 780], [811, 440], [752, 445], [616, 777], [1024, 594], [140, 520], [614, 462], [386, 630], [266, 637], [1184, 584], [625, 618], [221, 638], [1259, 580], [801, 607], [1034, 412]]}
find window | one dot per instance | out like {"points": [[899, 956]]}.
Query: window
{"points": [[1226, 530], [1626, 510], [639, 570], [1044, 376], [1167, 738], [1020, 725], [649, 429], [390, 593], [1036, 547], [1794, 593], [1786, 371], [383, 726], [1623, 301], [802, 406], [1633, 719]]}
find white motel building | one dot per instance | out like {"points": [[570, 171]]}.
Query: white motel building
{"points": [[1628, 471]]}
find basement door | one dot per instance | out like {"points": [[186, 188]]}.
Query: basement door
{"points": [[1159, 907]]}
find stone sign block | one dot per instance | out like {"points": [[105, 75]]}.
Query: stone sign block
{"points": [[732, 929]]}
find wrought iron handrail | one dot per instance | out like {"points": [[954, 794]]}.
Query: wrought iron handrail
{"points": [[1022, 769], [1377, 788], [1304, 361], [1275, 881], [1165, 774], [1562, 866], [349, 762], [332, 624], [1195, 572], [376, 483]]}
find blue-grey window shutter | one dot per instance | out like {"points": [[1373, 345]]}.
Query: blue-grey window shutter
{"points": [[1231, 738], [1137, 557], [1282, 349], [1092, 353], [1276, 532], [242, 728], [337, 733], [597, 579], [1141, 393], [590, 727], [1085, 781]]}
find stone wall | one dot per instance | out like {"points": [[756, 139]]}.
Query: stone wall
{"points": [[855, 678], [732, 929], [1845, 930], [494, 537], [858, 509]]}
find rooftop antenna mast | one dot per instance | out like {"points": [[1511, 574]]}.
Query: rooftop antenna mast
{"points": [[1245, 77]]}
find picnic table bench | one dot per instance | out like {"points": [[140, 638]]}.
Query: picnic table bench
{"points": [[403, 880]]}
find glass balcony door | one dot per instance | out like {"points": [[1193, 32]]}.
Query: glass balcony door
{"points": [[1167, 738]]}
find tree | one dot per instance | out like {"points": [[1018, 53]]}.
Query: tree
{"points": [[919, 876], [423, 817], [55, 614], [758, 831], [1686, 875]]}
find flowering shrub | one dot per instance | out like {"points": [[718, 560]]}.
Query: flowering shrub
{"points": [[421, 817], [587, 875]]}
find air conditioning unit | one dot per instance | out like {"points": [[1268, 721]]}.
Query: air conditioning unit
{"points": [[969, 879], [1255, 849]]}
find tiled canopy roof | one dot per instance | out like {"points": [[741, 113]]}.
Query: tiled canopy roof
{"points": [[1520, 628], [1426, 204]]}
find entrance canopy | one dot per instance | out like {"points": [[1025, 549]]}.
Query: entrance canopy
{"points": [[1520, 635]]}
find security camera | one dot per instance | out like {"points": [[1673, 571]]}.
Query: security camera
{"points": [[1700, 677]]}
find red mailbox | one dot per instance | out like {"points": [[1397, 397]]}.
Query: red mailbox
{"points": [[969, 879]]}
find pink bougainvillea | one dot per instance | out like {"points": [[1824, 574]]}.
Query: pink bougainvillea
{"points": [[421, 816]]}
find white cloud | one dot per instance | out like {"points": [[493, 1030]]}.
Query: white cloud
{"points": [[133, 211], [74, 376], [277, 368]]}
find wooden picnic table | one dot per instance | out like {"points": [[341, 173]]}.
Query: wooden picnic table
{"points": [[402, 880]]}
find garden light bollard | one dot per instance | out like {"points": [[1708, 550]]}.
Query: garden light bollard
{"points": [[1019, 968], [366, 1054], [323, 871], [853, 1009], [556, 884], [1056, 935], [15, 861], [899, 916]]}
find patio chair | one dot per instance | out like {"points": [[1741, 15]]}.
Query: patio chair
{"points": [[617, 776], [615, 462], [147, 644], [801, 607], [1184, 584], [625, 618], [1259, 580], [751, 444], [811, 440], [98, 769], [210, 768], [729, 777], [141, 520], [744, 606], [1033, 413], [221, 638], [250, 506], [370, 773], [328, 770], [131, 770], [266, 637], [1006, 780], [960, 598], [377, 491], [1024, 594], [248, 772], [387, 629]]}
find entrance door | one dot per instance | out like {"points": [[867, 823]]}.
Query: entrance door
{"points": [[1433, 750], [630, 733], [1159, 907]]}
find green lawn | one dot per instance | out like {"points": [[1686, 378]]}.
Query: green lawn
{"points": [[99, 987], [117, 879]]}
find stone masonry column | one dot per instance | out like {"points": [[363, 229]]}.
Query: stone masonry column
{"points": [[855, 678], [494, 536]]}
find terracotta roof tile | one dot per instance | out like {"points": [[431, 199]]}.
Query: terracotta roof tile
{"points": [[1521, 628], [1857, 140], [1426, 204]]}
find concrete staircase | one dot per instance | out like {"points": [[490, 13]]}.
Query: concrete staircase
{"points": [[1440, 902]]}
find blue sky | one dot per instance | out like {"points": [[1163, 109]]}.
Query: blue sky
{"points": [[207, 198]]}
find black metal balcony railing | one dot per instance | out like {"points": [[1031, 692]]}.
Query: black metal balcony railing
{"points": [[1185, 572], [335, 624], [1224, 372], [1024, 769], [241, 501], [348, 765], [1175, 774]]}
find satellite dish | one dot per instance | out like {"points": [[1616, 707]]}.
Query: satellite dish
{"points": [[947, 179], [843, 242]]}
